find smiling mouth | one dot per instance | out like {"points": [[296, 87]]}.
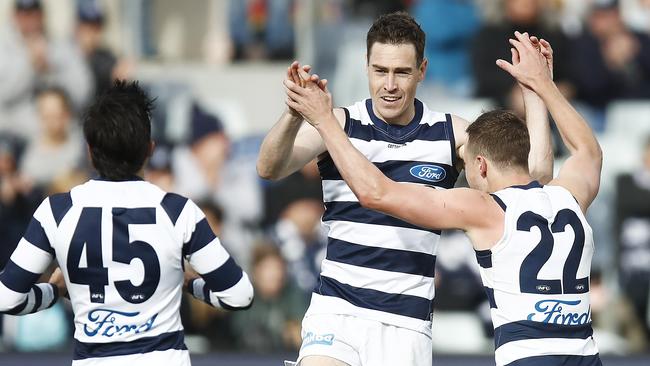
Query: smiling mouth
{"points": [[390, 99]]}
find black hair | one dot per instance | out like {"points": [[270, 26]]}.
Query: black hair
{"points": [[397, 28], [117, 127]]}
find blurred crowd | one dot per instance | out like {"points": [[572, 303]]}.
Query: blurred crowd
{"points": [[273, 229]]}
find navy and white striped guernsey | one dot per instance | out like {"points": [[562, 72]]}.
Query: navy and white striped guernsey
{"points": [[379, 267], [537, 279], [120, 246]]}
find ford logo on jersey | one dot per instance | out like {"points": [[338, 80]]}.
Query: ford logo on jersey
{"points": [[558, 312], [430, 173], [114, 322]]}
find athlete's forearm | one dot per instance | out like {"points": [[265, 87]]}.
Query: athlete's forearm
{"points": [[540, 158], [277, 147], [576, 133], [364, 179]]}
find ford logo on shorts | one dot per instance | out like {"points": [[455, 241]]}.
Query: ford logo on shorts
{"points": [[430, 173]]}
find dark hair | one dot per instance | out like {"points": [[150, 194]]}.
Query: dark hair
{"points": [[264, 250], [502, 137], [397, 28], [117, 127], [59, 92]]}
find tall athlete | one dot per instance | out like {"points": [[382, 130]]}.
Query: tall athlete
{"points": [[120, 243], [532, 241], [373, 302]]}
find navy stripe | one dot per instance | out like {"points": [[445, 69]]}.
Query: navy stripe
{"points": [[206, 294], [490, 295], [393, 260], [18, 309], [163, 342], [527, 329], [484, 258], [499, 201], [424, 131], [353, 212], [452, 139], [35, 234], [564, 360], [38, 298], [60, 205], [531, 185], [18, 279], [406, 305], [398, 132], [235, 308], [223, 277], [173, 204], [201, 237], [397, 170]]}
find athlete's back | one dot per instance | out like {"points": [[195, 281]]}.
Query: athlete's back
{"points": [[537, 279], [121, 243]]}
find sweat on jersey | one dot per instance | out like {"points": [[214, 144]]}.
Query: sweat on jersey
{"points": [[121, 246], [537, 279], [378, 267]]}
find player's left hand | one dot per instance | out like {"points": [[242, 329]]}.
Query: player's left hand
{"points": [[311, 101], [58, 280], [533, 66]]}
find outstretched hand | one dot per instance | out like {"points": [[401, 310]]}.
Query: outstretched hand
{"points": [[532, 60], [313, 101], [294, 75]]}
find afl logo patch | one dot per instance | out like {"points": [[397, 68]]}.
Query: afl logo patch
{"points": [[430, 173]]}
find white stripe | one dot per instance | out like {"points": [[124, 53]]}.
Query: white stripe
{"points": [[197, 288], [417, 150], [430, 117], [382, 236], [30, 257], [375, 279], [9, 298], [239, 295], [516, 350], [48, 296], [334, 305], [31, 301], [209, 258], [337, 190]]}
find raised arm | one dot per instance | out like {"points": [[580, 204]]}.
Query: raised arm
{"points": [[291, 144], [580, 174], [437, 209]]}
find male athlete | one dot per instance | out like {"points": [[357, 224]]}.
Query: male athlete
{"points": [[532, 241], [120, 243], [373, 302]]}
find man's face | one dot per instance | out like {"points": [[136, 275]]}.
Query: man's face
{"points": [[393, 77]]}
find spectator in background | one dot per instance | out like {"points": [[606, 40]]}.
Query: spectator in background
{"points": [[490, 44], [18, 197], [58, 148], [262, 29], [633, 229], [272, 324], [197, 166], [450, 26], [36, 61], [103, 63], [609, 60], [159, 169]]}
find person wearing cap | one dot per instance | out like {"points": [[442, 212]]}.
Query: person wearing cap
{"points": [[32, 60]]}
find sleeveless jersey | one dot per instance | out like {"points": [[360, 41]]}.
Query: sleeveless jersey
{"points": [[537, 279], [378, 267]]}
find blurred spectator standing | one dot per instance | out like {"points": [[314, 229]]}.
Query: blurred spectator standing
{"points": [[272, 324], [633, 225], [103, 63], [58, 149], [491, 43], [449, 26], [36, 61], [609, 61]]}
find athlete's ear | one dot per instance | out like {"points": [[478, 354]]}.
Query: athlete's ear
{"points": [[482, 166], [423, 69]]}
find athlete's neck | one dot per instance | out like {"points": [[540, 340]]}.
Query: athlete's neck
{"points": [[508, 178], [402, 120]]}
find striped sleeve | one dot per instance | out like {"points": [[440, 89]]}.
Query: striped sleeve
{"points": [[223, 283], [19, 293]]}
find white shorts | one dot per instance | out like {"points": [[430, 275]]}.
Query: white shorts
{"points": [[362, 342]]}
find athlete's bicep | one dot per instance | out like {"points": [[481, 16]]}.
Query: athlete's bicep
{"points": [[460, 208], [580, 176]]}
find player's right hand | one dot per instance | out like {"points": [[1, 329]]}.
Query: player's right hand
{"points": [[533, 66], [58, 280], [294, 76]]}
